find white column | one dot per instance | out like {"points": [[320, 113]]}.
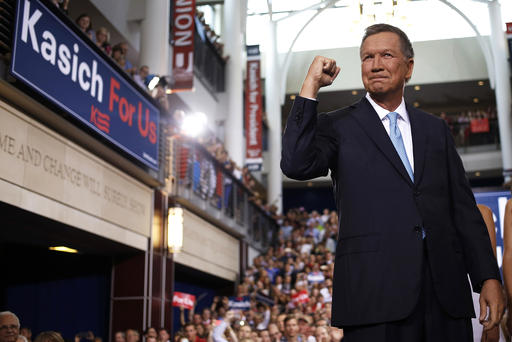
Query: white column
{"points": [[154, 42], [503, 90], [232, 38], [273, 109]]}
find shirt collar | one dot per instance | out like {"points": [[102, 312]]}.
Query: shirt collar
{"points": [[382, 112]]}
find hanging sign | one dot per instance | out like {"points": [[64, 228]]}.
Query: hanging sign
{"points": [[61, 66], [183, 45], [253, 110]]}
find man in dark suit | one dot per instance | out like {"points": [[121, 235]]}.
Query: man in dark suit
{"points": [[409, 230]]}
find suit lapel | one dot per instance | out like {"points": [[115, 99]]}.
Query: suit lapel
{"points": [[419, 139], [372, 125]]}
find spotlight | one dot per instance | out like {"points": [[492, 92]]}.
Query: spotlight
{"points": [[194, 124]]}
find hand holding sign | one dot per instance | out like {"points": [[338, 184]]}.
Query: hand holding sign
{"points": [[183, 300]]}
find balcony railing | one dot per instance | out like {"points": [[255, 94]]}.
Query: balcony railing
{"points": [[196, 176], [208, 64]]}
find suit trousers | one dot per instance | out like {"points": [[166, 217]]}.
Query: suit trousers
{"points": [[427, 323]]}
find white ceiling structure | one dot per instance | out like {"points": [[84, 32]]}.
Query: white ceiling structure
{"points": [[342, 24]]}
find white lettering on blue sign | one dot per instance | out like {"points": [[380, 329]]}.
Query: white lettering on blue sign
{"points": [[87, 76]]}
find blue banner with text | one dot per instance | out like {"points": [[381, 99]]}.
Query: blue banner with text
{"points": [[56, 62]]}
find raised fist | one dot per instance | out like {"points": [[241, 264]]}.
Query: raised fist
{"points": [[322, 72]]}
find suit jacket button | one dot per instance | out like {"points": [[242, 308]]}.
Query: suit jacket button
{"points": [[417, 193]]}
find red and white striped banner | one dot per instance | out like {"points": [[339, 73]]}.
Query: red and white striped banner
{"points": [[183, 46]]}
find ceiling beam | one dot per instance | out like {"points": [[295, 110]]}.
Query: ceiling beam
{"points": [[209, 2]]}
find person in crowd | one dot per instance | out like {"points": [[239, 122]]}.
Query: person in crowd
{"points": [[224, 327], [140, 77], [393, 264], [132, 335], [85, 24], [191, 333], [245, 331], [118, 56], [49, 336], [507, 262], [128, 67], [274, 333], [120, 336], [27, 332], [62, 5], [9, 327], [163, 335], [150, 332], [291, 330], [102, 40], [21, 338]]}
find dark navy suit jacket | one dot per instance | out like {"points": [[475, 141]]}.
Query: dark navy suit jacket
{"points": [[379, 254]]}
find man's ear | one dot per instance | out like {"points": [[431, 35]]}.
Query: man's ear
{"points": [[410, 66]]}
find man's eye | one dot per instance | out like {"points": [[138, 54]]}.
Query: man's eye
{"points": [[388, 55]]}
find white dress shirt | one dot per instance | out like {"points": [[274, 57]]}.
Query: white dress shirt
{"points": [[404, 125]]}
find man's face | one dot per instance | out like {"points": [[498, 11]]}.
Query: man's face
{"points": [[151, 333], [384, 68], [163, 335], [191, 332], [9, 328], [119, 337], [274, 332], [265, 336], [245, 332], [132, 336], [291, 328]]}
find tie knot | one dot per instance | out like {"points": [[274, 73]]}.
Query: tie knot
{"points": [[393, 116]]}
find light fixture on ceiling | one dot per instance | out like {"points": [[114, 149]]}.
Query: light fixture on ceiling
{"points": [[354, 92], [417, 87], [292, 97], [476, 100], [416, 104], [175, 229], [481, 83], [63, 249]]}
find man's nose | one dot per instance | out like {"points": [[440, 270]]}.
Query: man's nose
{"points": [[377, 64]]}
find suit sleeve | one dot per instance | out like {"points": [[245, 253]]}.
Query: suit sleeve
{"points": [[308, 142], [470, 226]]}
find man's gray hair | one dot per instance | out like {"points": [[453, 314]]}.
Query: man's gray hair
{"points": [[5, 313]]}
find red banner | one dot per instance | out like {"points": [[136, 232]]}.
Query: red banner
{"points": [[479, 125], [183, 299], [183, 47], [300, 297], [509, 28], [253, 110]]}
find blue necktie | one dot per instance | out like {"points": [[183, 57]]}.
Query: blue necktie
{"points": [[396, 139]]}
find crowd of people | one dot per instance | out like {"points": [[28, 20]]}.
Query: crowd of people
{"points": [[473, 127], [284, 296]]}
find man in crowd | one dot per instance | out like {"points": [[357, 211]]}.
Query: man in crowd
{"points": [[191, 333], [410, 230], [163, 335], [291, 330], [132, 335], [275, 334], [9, 327]]}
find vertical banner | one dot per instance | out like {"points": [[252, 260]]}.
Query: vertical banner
{"points": [[183, 44], [509, 39], [253, 110]]}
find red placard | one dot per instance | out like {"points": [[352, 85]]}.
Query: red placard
{"points": [[253, 110], [509, 28], [183, 48], [300, 297], [183, 299], [479, 125]]}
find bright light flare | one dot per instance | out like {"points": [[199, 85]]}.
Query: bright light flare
{"points": [[194, 124]]}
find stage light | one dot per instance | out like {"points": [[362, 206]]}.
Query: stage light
{"points": [[194, 124], [63, 249], [175, 230]]}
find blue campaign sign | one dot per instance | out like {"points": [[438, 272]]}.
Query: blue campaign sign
{"points": [[56, 62], [496, 201]]}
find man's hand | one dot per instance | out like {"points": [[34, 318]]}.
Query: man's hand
{"points": [[491, 297], [322, 72]]}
